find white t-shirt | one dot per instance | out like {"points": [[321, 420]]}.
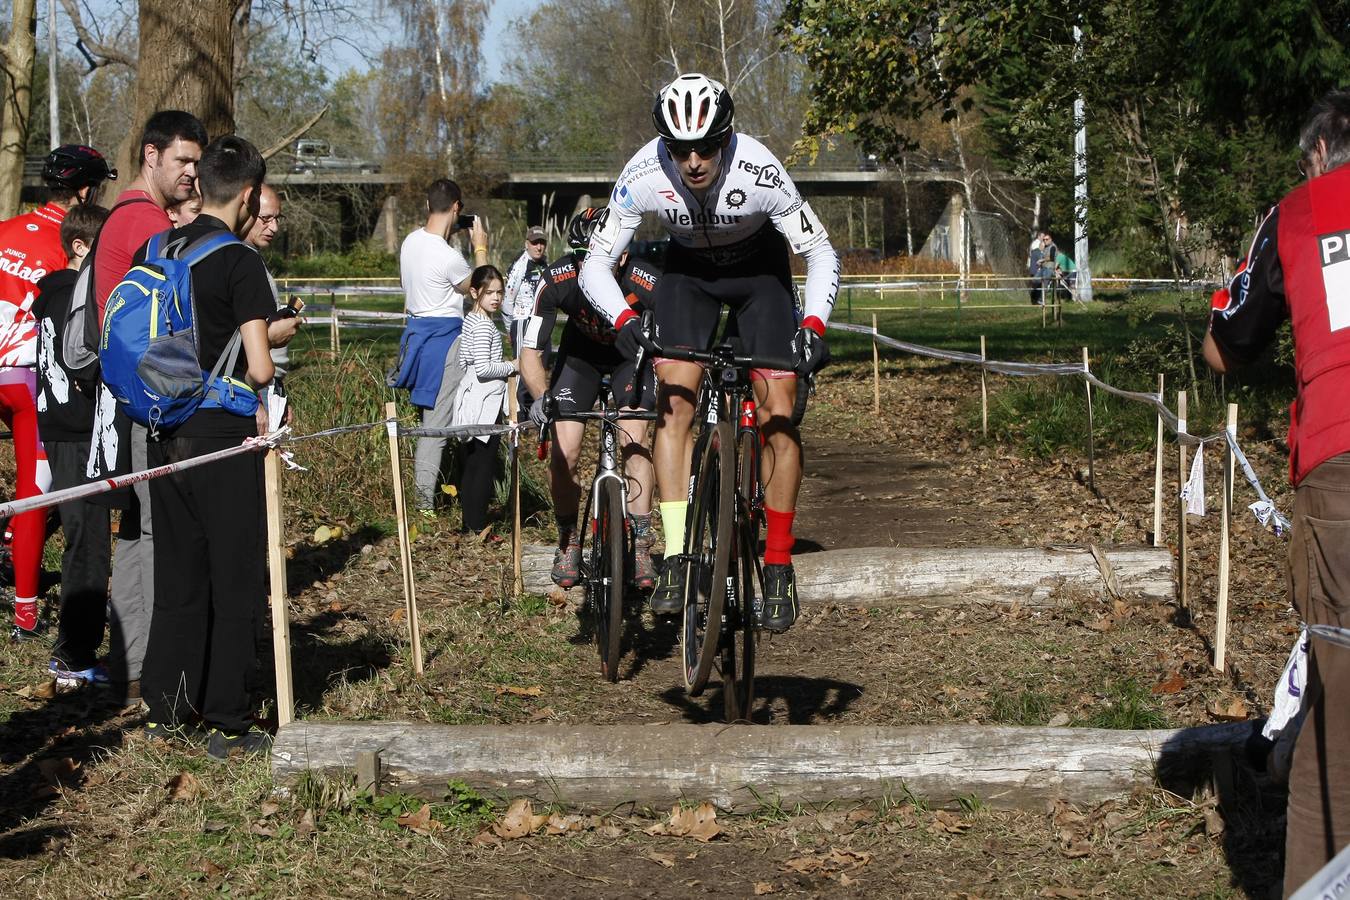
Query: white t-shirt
{"points": [[430, 268]]}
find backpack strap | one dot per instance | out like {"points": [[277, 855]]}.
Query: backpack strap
{"points": [[229, 357], [203, 247]]}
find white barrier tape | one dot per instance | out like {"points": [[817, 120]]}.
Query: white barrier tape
{"points": [[1264, 508], [469, 431]]}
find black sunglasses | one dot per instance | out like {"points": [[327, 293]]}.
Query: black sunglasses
{"points": [[706, 149]]}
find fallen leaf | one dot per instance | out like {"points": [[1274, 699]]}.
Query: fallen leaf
{"points": [[336, 608], [763, 887], [382, 565], [862, 815], [58, 770], [413, 532], [560, 824], [184, 786], [1058, 720], [1170, 685], [1065, 892], [540, 714], [611, 831], [662, 859], [450, 490], [532, 691], [420, 821], [1214, 823], [397, 615], [26, 691], [1232, 710], [306, 824], [486, 838], [699, 823], [1105, 623], [1077, 849], [211, 826], [269, 808], [944, 821], [845, 881], [45, 691], [847, 857], [261, 830], [804, 864], [209, 868], [323, 534], [519, 821]]}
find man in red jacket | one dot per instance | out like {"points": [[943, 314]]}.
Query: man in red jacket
{"points": [[30, 248], [1299, 268]]}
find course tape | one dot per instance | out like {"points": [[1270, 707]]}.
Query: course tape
{"points": [[1264, 508]]}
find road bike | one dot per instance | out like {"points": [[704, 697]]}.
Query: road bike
{"points": [[607, 557], [724, 581]]}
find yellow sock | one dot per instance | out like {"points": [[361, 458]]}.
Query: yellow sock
{"points": [[672, 525]]}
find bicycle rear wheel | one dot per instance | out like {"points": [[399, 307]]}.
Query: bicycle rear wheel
{"points": [[606, 581], [709, 542], [738, 647]]}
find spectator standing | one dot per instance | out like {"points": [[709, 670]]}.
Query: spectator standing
{"points": [[281, 328], [65, 416], [1045, 272], [209, 560], [170, 146], [1034, 269], [30, 249], [1297, 269], [435, 277], [522, 280], [481, 395]]}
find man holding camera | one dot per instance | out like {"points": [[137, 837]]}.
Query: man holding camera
{"points": [[435, 278]]}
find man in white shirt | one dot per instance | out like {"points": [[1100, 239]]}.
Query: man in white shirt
{"points": [[522, 279], [435, 278]]}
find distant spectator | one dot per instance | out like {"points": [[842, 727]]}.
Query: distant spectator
{"points": [[170, 146], [1034, 268], [30, 248], [282, 328], [435, 277], [210, 583], [1046, 267], [1066, 273], [522, 280], [66, 420], [481, 395]]}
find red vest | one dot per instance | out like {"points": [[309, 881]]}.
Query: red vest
{"points": [[1314, 248]]}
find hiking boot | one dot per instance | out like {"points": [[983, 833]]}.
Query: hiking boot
{"points": [[224, 744], [191, 735], [668, 597], [644, 570], [780, 598], [96, 674], [567, 565]]}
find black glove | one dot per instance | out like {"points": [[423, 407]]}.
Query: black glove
{"points": [[541, 410], [630, 341], [809, 351]]}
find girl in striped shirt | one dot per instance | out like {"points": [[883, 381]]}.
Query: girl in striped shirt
{"points": [[482, 393]]}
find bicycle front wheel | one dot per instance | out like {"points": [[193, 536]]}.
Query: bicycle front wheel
{"points": [[606, 576], [709, 542], [738, 648]]}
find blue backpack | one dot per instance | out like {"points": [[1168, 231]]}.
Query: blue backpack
{"points": [[149, 343]]}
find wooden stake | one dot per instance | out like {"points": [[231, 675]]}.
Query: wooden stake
{"points": [[1221, 613], [1092, 450], [517, 546], [1183, 590], [276, 570], [876, 370], [333, 326], [404, 545], [368, 771], [984, 392], [1158, 475]]}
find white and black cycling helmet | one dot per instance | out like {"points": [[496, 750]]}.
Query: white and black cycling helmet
{"points": [[693, 107]]}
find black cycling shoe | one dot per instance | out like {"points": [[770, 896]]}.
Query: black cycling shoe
{"points": [[668, 596], [780, 598]]}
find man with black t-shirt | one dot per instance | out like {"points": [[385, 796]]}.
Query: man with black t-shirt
{"points": [[209, 551]]}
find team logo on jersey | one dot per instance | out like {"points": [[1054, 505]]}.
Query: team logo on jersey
{"points": [[638, 168], [623, 198], [735, 198], [31, 226], [669, 195]]}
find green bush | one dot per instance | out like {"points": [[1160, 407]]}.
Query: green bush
{"points": [[361, 261]]}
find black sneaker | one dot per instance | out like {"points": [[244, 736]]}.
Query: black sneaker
{"points": [[25, 635], [223, 744], [191, 735], [668, 596], [780, 598]]}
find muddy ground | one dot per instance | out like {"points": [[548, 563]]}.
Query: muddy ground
{"points": [[108, 820]]}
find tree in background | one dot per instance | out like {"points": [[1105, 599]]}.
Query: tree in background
{"points": [[16, 67]]}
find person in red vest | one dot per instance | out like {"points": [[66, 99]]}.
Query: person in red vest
{"points": [[30, 248], [1298, 268]]}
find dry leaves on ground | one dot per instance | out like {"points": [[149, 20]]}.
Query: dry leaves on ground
{"points": [[421, 821], [699, 823], [519, 821], [183, 787]]}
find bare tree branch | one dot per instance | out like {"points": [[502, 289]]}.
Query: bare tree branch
{"points": [[107, 55], [286, 141]]}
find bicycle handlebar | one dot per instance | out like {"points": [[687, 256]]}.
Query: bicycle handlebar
{"points": [[719, 356], [613, 415]]}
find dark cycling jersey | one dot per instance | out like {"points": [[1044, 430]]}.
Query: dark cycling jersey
{"points": [[559, 290]]}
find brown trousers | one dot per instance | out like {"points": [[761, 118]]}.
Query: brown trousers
{"points": [[1319, 583]]}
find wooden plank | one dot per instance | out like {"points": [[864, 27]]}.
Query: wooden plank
{"points": [[942, 577], [1183, 589], [404, 542], [1225, 526], [1158, 475], [604, 767]]}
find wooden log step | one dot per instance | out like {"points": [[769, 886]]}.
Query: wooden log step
{"points": [[942, 577], [740, 767]]}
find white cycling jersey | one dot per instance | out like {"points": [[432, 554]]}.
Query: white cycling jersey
{"points": [[521, 283], [751, 188]]}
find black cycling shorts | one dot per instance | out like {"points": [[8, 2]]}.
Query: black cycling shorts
{"points": [[580, 367], [758, 294]]}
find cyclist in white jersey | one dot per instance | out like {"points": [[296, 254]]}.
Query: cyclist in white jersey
{"points": [[732, 213]]}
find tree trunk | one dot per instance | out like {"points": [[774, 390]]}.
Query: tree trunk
{"points": [[17, 61], [187, 63]]}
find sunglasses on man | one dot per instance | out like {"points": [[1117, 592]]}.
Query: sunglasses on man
{"points": [[706, 149]]}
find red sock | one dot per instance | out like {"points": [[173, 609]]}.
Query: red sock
{"points": [[25, 613], [778, 541]]}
